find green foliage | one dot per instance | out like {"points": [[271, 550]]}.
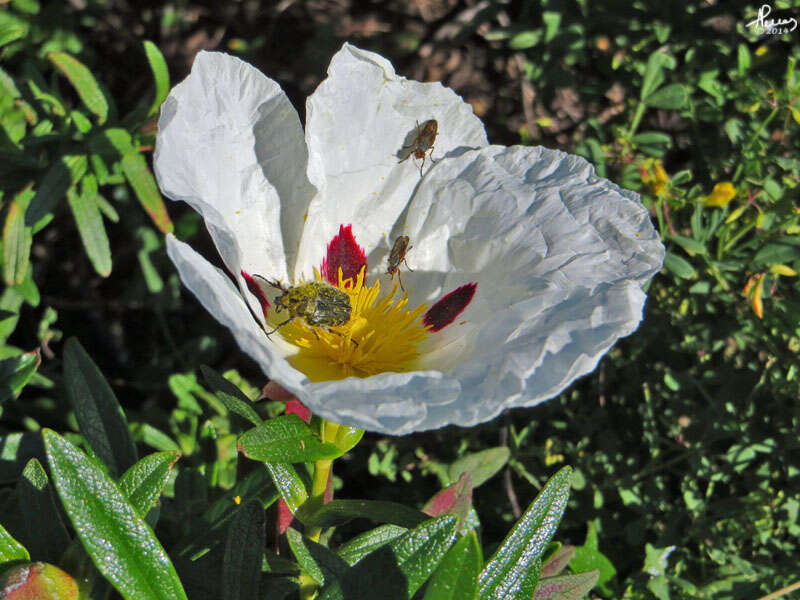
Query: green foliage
{"points": [[684, 441]]}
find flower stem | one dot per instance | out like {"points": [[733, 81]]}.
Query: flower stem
{"points": [[322, 472]]}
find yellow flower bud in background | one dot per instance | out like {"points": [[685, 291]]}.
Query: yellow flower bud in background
{"points": [[782, 270], [721, 195]]}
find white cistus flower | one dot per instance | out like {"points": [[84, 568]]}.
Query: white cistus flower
{"points": [[522, 266]]}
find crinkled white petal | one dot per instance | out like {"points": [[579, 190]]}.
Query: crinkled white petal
{"points": [[215, 291], [230, 144], [357, 122], [559, 256]]}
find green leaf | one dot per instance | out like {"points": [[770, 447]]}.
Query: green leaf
{"points": [[90, 226], [121, 545], [525, 40], [652, 143], [143, 482], [654, 72], [17, 239], [513, 572], [66, 171], [481, 465], [688, 244], [779, 252], [397, 569], [244, 550], [99, 415], [671, 97], [679, 266], [285, 439], [588, 557], [358, 547], [314, 559], [84, 83], [231, 396], [16, 372], [290, 486], [160, 74], [47, 537], [144, 186], [11, 549], [566, 587], [338, 512], [457, 575], [12, 28]]}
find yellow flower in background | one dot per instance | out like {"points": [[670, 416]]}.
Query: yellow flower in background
{"points": [[721, 195], [655, 177]]}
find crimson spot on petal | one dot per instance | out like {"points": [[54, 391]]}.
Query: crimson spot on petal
{"points": [[344, 252], [256, 290], [449, 307]]}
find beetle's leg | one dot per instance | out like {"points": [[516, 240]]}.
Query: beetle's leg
{"points": [[400, 279], [286, 322], [341, 335], [406, 264]]}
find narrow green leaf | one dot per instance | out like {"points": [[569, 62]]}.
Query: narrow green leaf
{"points": [[314, 559], [160, 74], [671, 97], [358, 547], [285, 439], [17, 239], [84, 83], [399, 568], [99, 415], [652, 143], [679, 266], [121, 545], [244, 550], [290, 486], [654, 72], [47, 537], [689, 244], [16, 372], [12, 28], [457, 575], [525, 39], [779, 252], [513, 572], [231, 396], [482, 465], [66, 171], [144, 186], [11, 549], [338, 512], [143, 482], [566, 587], [89, 220]]}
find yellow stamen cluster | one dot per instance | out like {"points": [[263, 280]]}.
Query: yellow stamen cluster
{"points": [[381, 336]]}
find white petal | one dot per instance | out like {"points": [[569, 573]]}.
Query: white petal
{"points": [[559, 256], [230, 144], [215, 291], [357, 122], [393, 403]]}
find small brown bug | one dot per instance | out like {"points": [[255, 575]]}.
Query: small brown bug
{"points": [[397, 256], [426, 136]]}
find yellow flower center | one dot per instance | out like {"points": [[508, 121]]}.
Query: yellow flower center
{"points": [[382, 335]]}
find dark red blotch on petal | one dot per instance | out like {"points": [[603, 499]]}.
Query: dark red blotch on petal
{"points": [[344, 252], [449, 307], [256, 290], [295, 407]]}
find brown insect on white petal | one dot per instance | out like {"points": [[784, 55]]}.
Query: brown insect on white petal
{"points": [[423, 142], [398, 255]]}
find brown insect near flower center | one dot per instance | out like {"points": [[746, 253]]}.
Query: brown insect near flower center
{"points": [[397, 256], [426, 136]]}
